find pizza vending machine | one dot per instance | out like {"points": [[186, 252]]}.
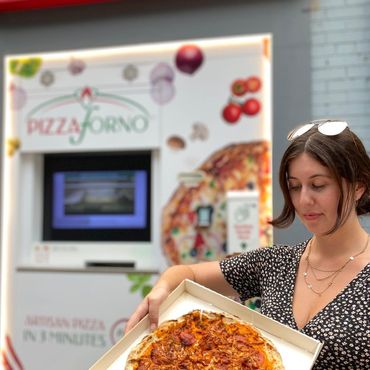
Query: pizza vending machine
{"points": [[118, 162]]}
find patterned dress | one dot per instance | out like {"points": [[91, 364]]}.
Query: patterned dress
{"points": [[342, 326]]}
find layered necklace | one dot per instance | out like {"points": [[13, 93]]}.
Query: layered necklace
{"points": [[332, 274]]}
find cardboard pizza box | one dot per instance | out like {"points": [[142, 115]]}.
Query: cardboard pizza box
{"points": [[296, 349]]}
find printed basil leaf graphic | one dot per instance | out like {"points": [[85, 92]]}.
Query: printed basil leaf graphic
{"points": [[25, 67], [139, 278], [140, 283], [135, 288], [144, 278], [132, 277], [146, 290]]}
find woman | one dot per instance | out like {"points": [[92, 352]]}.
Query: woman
{"points": [[320, 286]]}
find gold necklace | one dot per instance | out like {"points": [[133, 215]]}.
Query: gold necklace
{"points": [[333, 273], [322, 278]]}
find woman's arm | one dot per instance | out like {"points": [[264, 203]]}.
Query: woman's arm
{"points": [[207, 274]]}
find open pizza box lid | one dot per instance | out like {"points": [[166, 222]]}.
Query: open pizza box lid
{"points": [[296, 349]]}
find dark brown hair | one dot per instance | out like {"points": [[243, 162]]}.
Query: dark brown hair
{"points": [[346, 158]]}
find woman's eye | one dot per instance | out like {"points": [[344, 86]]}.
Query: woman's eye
{"points": [[317, 187], [294, 187]]}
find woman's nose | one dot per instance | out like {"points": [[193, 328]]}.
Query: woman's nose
{"points": [[306, 196]]}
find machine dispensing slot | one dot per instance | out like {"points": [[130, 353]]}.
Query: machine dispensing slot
{"points": [[122, 264]]}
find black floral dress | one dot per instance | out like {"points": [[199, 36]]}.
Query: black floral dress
{"points": [[342, 326]]}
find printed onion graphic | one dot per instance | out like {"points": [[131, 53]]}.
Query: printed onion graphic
{"points": [[19, 97], [162, 91], [76, 66], [162, 71], [189, 58]]}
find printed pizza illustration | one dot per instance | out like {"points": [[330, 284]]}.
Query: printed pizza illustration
{"points": [[194, 219]]}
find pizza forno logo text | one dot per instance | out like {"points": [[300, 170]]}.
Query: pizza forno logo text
{"points": [[89, 112]]}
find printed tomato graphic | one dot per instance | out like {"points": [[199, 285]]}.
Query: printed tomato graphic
{"points": [[239, 87], [243, 98], [253, 84], [251, 107], [231, 113]]}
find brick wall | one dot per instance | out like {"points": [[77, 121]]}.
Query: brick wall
{"points": [[340, 57]]}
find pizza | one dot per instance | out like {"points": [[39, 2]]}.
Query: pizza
{"points": [[205, 340], [235, 167]]}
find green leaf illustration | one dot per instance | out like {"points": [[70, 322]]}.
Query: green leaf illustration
{"points": [[134, 288], [140, 283], [132, 277], [146, 290], [27, 67], [139, 278]]}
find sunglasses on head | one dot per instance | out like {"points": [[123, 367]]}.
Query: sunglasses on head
{"points": [[327, 127]]}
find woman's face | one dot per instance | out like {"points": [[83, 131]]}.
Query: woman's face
{"points": [[314, 194]]}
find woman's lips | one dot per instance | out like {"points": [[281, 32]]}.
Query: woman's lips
{"points": [[311, 216]]}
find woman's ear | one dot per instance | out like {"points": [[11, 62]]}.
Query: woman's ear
{"points": [[359, 190]]}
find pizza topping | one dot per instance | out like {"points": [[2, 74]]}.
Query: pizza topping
{"points": [[253, 362], [159, 356], [144, 365], [187, 339]]}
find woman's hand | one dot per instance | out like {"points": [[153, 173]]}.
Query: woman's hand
{"points": [[208, 274], [150, 305]]}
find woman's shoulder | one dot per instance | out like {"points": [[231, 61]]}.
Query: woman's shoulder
{"points": [[281, 253], [275, 251], [283, 249], [290, 247]]}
